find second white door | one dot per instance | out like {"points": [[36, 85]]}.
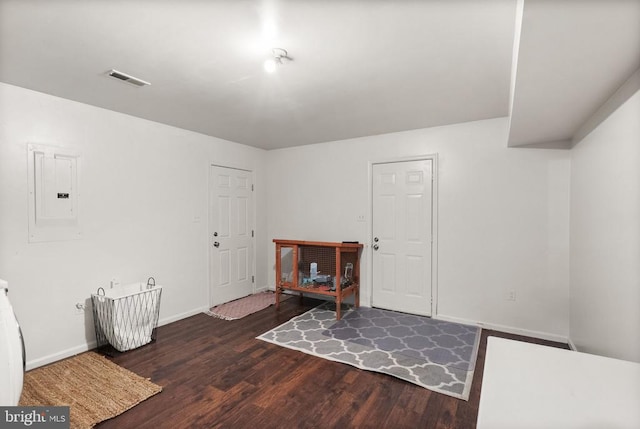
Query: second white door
{"points": [[402, 236], [231, 234]]}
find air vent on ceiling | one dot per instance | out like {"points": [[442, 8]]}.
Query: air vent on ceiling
{"points": [[127, 78]]}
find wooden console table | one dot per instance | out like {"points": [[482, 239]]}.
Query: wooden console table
{"points": [[337, 275]]}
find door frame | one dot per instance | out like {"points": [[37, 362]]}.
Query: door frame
{"points": [[210, 231], [434, 226]]}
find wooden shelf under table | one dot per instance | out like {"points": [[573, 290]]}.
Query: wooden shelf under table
{"points": [[350, 290]]}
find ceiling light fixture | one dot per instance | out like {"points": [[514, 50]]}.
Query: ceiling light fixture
{"points": [[279, 54]]}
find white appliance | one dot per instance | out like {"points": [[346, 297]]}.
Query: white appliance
{"points": [[12, 356]]}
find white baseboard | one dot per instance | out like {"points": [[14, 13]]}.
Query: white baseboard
{"points": [[180, 316], [35, 363], [508, 329], [63, 354], [502, 328], [54, 357]]}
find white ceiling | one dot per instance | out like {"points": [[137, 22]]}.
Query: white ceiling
{"points": [[573, 55], [359, 67]]}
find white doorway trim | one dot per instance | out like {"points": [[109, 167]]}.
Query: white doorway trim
{"points": [[434, 227], [209, 226]]}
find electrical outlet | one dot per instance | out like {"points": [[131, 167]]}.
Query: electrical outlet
{"points": [[80, 308], [115, 282], [510, 295], [360, 218]]}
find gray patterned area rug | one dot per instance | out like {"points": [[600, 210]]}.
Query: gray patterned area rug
{"points": [[436, 355]]}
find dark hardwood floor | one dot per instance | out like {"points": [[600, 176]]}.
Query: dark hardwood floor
{"points": [[215, 374]]}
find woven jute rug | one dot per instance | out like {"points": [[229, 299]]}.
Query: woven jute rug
{"points": [[95, 388], [244, 306]]}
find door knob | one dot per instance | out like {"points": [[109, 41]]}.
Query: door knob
{"points": [[216, 244], [375, 239], [376, 247], [215, 234]]}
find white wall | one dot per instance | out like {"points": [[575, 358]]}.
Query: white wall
{"points": [[142, 184], [503, 217], [605, 237]]}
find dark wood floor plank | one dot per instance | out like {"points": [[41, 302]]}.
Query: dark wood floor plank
{"points": [[216, 374]]}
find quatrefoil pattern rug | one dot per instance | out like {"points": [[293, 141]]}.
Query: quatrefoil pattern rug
{"points": [[436, 355]]}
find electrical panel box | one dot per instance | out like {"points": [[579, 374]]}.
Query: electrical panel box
{"points": [[53, 194]]}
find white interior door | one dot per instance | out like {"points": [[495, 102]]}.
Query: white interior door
{"points": [[402, 231], [230, 234]]}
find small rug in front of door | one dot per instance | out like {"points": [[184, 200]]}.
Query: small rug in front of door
{"points": [[439, 356], [244, 306]]}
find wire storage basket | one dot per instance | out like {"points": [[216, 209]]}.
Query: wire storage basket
{"points": [[126, 317]]}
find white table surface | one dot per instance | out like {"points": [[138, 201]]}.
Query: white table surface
{"points": [[532, 386]]}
